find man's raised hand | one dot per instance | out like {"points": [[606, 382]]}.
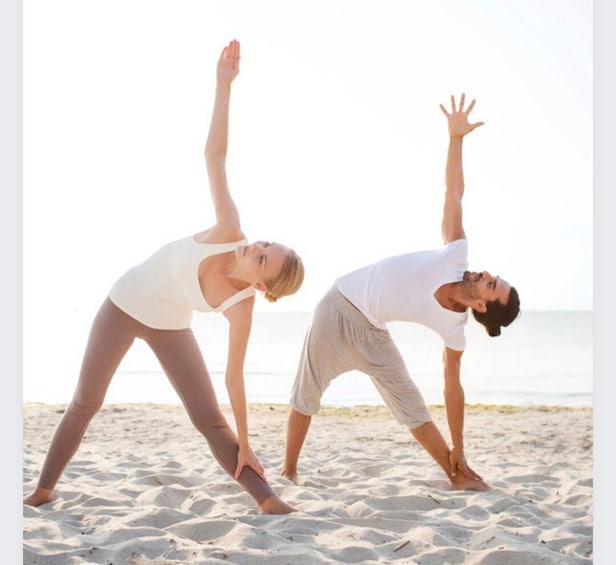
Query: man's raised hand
{"points": [[457, 119]]}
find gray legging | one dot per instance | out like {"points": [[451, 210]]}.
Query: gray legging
{"points": [[112, 334]]}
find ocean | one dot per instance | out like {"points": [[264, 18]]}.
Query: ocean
{"points": [[543, 358]]}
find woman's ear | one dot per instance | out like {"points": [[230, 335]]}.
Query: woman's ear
{"points": [[260, 286]]}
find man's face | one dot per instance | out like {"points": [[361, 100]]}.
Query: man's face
{"points": [[484, 286]]}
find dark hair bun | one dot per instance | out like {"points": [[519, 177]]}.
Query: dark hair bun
{"points": [[498, 315]]}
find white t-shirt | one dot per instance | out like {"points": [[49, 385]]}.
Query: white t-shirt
{"points": [[401, 288], [163, 291]]}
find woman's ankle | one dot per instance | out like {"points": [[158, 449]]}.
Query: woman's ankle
{"points": [[39, 496], [274, 505]]}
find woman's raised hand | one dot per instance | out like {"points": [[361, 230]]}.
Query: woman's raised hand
{"points": [[229, 63]]}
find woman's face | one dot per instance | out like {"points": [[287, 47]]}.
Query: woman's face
{"points": [[261, 261]]}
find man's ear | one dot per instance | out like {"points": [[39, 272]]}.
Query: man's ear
{"points": [[480, 306]]}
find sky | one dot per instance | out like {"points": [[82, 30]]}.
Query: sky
{"points": [[337, 144]]}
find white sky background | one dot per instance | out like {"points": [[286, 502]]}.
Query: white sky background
{"points": [[337, 145]]}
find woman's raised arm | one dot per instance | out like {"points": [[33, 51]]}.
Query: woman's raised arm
{"points": [[227, 215]]}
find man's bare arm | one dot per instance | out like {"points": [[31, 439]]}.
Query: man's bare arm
{"points": [[458, 126]]}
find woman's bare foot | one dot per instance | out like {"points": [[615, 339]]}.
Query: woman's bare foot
{"points": [[462, 482], [38, 497], [274, 505]]}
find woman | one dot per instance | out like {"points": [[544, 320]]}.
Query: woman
{"points": [[214, 270]]}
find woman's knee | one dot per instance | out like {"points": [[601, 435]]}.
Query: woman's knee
{"points": [[84, 408], [208, 421]]}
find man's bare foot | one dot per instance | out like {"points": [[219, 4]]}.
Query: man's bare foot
{"points": [[274, 505], [290, 476], [38, 497], [462, 482]]}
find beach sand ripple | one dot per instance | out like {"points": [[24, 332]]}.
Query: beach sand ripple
{"points": [[144, 489]]}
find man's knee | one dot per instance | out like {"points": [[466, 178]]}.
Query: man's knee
{"points": [[300, 407], [417, 426]]}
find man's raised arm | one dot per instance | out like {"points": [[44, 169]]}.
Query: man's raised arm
{"points": [[458, 126]]}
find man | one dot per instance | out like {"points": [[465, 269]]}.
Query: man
{"points": [[433, 288]]}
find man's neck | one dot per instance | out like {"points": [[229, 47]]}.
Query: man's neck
{"points": [[449, 296]]}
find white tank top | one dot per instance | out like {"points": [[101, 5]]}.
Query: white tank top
{"points": [[163, 291], [402, 288]]}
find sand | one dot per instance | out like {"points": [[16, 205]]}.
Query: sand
{"points": [[144, 489]]}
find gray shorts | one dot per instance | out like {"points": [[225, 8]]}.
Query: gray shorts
{"points": [[341, 339]]}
